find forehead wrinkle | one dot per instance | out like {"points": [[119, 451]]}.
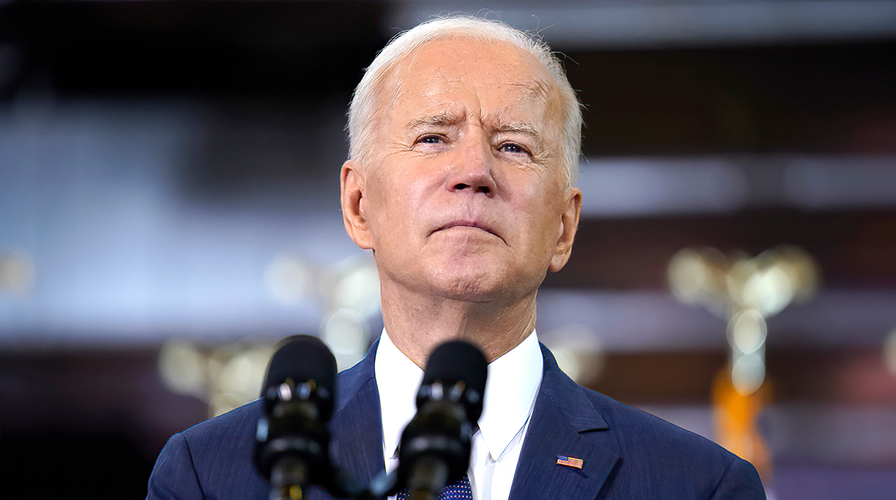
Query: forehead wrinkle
{"points": [[531, 95], [521, 115], [535, 88]]}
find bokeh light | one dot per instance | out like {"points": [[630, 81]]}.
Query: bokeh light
{"points": [[225, 377], [183, 368], [577, 350], [747, 331], [16, 272], [748, 373], [697, 277], [890, 352], [358, 287], [289, 280], [347, 334]]}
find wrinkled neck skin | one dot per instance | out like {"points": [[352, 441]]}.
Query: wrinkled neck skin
{"points": [[418, 324]]}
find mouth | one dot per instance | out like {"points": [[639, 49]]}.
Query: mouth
{"points": [[471, 224]]}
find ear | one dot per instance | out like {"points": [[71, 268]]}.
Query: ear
{"points": [[352, 190], [569, 221]]}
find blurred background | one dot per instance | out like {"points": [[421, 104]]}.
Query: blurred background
{"points": [[169, 210]]}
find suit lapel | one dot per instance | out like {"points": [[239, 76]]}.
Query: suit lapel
{"points": [[564, 423], [356, 428]]}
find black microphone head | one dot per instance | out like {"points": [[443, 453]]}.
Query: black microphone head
{"points": [[302, 358], [291, 439], [435, 446], [458, 361]]}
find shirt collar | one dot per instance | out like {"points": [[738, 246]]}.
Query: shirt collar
{"points": [[395, 371], [510, 390]]}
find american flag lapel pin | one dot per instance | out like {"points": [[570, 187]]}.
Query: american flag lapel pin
{"points": [[570, 461]]}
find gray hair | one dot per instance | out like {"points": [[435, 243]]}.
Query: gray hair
{"points": [[363, 108]]}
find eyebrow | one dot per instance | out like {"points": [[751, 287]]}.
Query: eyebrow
{"points": [[521, 128], [440, 119]]}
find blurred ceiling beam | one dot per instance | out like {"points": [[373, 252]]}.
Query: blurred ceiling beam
{"points": [[630, 322], [613, 24], [854, 248], [853, 375], [632, 187]]}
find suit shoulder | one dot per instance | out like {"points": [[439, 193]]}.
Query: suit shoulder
{"points": [[654, 447], [222, 451], [212, 459], [238, 423], [637, 429]]}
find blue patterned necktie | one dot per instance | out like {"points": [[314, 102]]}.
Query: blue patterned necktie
{"points": [[459, 490]]}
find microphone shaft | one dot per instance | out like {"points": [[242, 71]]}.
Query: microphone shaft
{"points": [[288, 478], [428, 476]]}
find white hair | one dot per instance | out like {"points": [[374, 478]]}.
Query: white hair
{"points": [[364, 106]]}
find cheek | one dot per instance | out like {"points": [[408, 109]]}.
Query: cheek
{"points": [[532, 194], [539, 216], [377, 205], [393, 205]]}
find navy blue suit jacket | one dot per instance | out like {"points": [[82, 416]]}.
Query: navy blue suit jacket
{"points": [[626, 453]]}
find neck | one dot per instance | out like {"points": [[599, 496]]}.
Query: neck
{"points": [[418, 324]]}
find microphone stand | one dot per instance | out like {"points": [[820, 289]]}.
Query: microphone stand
{"points": [[287, 477]]}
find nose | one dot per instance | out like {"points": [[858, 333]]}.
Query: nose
{"points": [[473, 168]]}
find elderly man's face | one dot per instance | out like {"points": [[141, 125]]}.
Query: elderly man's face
{"points": [[464, 196]]}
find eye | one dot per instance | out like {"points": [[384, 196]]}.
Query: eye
{"points": [[512, 148], [430, 139]]}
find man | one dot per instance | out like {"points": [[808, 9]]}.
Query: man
{"points": [[464, 148]]}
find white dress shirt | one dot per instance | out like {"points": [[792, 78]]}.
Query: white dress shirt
{"points": [[510, 390]]}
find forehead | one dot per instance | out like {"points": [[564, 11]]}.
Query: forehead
{"points": [[499, 79]]}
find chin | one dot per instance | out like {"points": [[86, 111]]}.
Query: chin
{"points": [[468, 292], [478, 279], [467, 285]]}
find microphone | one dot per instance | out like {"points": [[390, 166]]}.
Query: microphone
{"points": [[292, 440], [434, 450]]}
